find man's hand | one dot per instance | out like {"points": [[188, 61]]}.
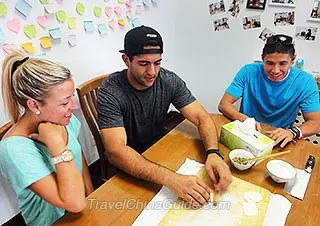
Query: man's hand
{"points": [[279, 135], [191, 189], [258, 126], [218, 171]]}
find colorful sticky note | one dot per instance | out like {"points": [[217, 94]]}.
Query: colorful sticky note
{"points": [[14, 25], [102, 28], [117, 10], [43, 21], [121, 22], [55, 33], [41, 55], [128, 4], [121, 1], [136, 22], [59, 1], [45, 42], [112, 24], [8, 47], [23, 7], [80, 8], [108, 11], [30, 31], [44, 1], [3, 38], [147, 3], [50, 8], [97, 11], [88, 25], [72, 22], [61, 16], [28, 47], [129, 14], [3, 9], [72, 40], [138, 9]]}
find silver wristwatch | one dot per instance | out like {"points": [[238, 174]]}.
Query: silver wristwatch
{"points": [[65, 156]]}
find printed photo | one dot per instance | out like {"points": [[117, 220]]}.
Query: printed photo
{"points": [[250, 22], [216, 7], [315, 12], [256, 4], [266, 33], [284, 18], [287, 3], [306, 33], [221, 24], [234, 8]]}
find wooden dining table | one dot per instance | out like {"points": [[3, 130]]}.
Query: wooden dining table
{"points": [[121, 199]]}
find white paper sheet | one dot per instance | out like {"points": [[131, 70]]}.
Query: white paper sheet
{"points": [[162, 202]]}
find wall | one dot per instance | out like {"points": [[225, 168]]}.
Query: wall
{"points": [[208, 60], [92, 56]]}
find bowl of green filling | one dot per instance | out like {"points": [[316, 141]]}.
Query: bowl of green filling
{"points": [[239, 159]]}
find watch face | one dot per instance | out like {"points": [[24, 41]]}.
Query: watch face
{"points": [[67, 156]]}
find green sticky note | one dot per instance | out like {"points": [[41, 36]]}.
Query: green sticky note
{"points": [[97, 11], [30, 31], [80, 8], [3, 9], [72, 22], [61, 16], [44, 1]]}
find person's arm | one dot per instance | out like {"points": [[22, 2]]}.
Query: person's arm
{"points": [[189, 188], [64, 188], [86, 177], [217, 169], [310, 127], [227, 108]]}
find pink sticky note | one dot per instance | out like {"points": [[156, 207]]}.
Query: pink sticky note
{"points": [[14, 25], [8, 47], [138, 9], [108, 11], [117, 10], [129, 14], [113, 24], [59, 1], [128, 4], [43, 21]]}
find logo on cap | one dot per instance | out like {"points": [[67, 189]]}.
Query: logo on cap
{"points": [[151, 35]]}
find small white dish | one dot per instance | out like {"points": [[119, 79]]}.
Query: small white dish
{"points": [[242, 154], [280, 171]]}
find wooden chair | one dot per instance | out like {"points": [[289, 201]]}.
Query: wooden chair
{"points": [[87, 93], [4, 129]]}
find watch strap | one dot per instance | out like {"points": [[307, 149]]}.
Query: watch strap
{"points": [[215, 151]]}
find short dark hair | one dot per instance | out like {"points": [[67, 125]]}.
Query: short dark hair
{"points": [[279, 44]]}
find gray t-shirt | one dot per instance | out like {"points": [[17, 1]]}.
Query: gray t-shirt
{"points": [[141, 112]]}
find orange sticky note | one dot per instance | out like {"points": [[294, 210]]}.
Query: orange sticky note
{"points": [[45, 42], [28, 47], [121, 22]]}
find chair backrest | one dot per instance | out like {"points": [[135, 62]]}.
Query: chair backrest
{"points": [[4, 129], [87, 93]]}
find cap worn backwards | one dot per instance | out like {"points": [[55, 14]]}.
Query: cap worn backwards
{"points": [[138, 38]]}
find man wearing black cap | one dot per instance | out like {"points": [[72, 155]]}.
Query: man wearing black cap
{"points": [[272, 92], [132, 106]]}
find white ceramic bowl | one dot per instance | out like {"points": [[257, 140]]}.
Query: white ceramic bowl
{"points": [[280, 171], [243, 154]]}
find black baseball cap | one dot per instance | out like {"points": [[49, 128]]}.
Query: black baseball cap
{"points": [[139, 37]]}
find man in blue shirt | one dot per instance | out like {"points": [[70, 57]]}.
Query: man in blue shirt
{"points": [[272, 92]]}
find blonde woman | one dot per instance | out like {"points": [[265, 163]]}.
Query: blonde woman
{"points": [[40, 155]]}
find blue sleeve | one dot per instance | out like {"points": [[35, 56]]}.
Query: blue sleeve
{"points": [[22, 163], [237, 86], [310, 101]]}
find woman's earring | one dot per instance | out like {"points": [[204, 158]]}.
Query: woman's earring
{"points": [[37, 112]]}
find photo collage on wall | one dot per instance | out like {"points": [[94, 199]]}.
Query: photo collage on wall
{"points": [[221, 16]]}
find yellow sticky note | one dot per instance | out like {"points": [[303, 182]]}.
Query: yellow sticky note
{"points": [[72, 22], [121, 22], [28, 47], [61, 16], [3, 9], [121, 1], [45, 42], [97, 11], [44, 1], [80, 8], [30, 31]]}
